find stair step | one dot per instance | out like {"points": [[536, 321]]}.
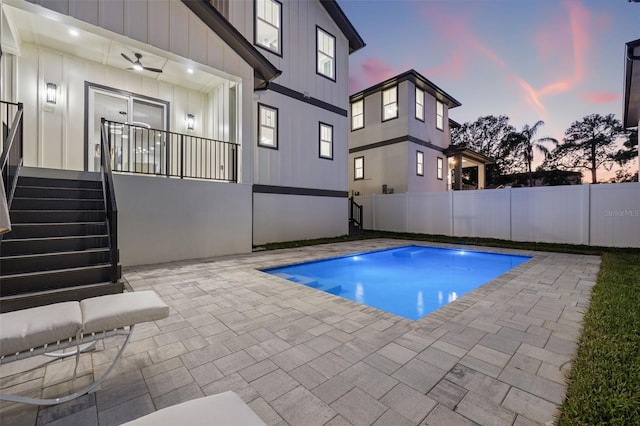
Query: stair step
{"points": [[40, 298], [20, 203], [49, 192], [17, 247], [51, 280], [55, 216], [52, 261], [41, 230], [58, 183]]}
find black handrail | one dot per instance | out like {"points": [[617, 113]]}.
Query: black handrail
{"points": [[355, 214], [109, 201], [11, 159], [143, 150]]}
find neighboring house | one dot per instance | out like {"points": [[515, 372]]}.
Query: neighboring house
{"points": [[235, 94], [631, 107], [400, 139]]}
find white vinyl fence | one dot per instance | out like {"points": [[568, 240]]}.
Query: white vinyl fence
{"points": [[600, 215]]}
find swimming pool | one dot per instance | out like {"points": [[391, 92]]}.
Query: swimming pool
{"points": [[409, 281]]}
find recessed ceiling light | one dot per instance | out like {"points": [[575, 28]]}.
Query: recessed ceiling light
{"points": [[190, 70], [74, 32]]}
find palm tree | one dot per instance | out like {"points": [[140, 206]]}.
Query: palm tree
{"points": [[523, 142]]}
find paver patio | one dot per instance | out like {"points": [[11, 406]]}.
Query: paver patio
{"points": [[298, 356]]}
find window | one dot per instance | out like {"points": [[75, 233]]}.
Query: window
{"points": [[419, 104], [358, 168], [390, 103], [439, 115], [268, 126], [440, 168], [419, 163], [357, 115], [268, 31], [326, 141], [326, 54]]}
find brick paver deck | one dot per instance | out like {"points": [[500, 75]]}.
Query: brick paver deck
{"points": [[298, 356]]}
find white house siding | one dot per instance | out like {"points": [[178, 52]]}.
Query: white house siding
{"points": [[161, 24], [426, 130], [386, 165], [180, 219], [296, 163], [55, 139], [429, 182]]}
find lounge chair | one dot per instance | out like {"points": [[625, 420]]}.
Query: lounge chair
{"points": [[53, 328], [222, 409]]}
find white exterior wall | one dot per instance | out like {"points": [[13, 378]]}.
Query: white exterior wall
{"points": [[158, 26], [279, 217], [296, 162], [386, 165], [180, 219], [429, 181], [427, 130], [598, 215], [55, 138]]}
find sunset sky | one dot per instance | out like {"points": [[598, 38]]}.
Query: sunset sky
{"points": [[551, 60]]}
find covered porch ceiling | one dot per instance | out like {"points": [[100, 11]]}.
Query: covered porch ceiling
{"points": [[43, 28]]}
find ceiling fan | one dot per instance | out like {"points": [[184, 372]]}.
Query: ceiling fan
{"points": [[137, 65]]}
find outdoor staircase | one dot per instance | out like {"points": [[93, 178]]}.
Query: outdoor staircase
{"points": [[59, 246]]}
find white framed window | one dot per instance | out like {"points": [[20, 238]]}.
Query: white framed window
{"points": [[358, 168], [439, 115], [440, 168], [326, 54], [357, 115], [419, 104], [326, 141], [268, 31], [390, 103], [267, 126], [420, 163]]}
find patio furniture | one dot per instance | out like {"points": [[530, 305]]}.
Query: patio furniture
{"points": [[222, 409], [49, 330]]}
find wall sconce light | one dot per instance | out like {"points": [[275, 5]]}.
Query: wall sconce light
{"points": [[52, 93], [191, 122]]}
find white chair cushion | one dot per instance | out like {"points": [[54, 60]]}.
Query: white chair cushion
{"points": [[119, 310], [222, 409], [35, 327]]}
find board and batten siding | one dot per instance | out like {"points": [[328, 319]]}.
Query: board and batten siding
{"points": [[298, 60], [165, 24], [55, 139]]}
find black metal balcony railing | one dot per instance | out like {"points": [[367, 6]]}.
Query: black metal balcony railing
{"points": [[12, 146], [139, 149]]}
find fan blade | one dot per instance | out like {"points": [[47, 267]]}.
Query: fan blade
{"points": [[127, 58], [152, 69]]}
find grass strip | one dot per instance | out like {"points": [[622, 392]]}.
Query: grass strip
{"points": [[604, 384]]}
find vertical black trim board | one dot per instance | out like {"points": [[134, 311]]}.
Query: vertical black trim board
{"points": [[277, 141], [255, 30], [335, 57]]}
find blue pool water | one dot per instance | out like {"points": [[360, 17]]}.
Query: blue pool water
{"points": [[409, 281]]}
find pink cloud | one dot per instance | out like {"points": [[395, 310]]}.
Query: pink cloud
{"points": [[371, 71], [601, 97]]}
